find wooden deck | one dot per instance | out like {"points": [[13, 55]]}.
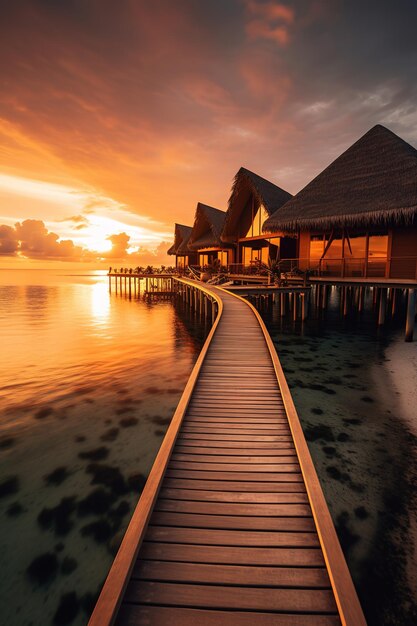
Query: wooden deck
{"points": [[232, 527]]}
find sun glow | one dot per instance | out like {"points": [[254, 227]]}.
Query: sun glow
{"points": [[95, 234]]}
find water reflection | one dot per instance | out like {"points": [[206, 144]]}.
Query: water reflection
{"points": [[100, 302], [86, 398]]}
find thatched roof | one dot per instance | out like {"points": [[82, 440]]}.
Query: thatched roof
{"points": [[182, 235], [373, 182], [208, 225], [246, 184]]}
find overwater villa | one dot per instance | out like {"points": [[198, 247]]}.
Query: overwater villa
{"points": [[183, 255], [205, 236], [357, 217], [252, 201]]}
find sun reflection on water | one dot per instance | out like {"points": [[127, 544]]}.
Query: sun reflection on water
{"points": [[100, 303]]}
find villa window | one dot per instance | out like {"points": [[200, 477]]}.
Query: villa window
{"points": [[203, 259], [355, 246], [222, 256], [253, 255], [378, 246], [357, 254], [316, 247], [377, 255]]}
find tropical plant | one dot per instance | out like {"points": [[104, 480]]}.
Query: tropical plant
{"points": [[213, 267]]}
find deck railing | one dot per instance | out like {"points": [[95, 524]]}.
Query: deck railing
{"points": [[364, 267]]}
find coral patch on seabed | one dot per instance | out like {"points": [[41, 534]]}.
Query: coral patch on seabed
{"points": [[98, 454], [57, 477], [43, 568], [9, 486]]}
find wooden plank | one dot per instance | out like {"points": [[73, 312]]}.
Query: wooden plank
{"points": [[231, 419], [232, 522], [257, 408], [134, 614], [203, 573], [271, 443], [240, 405], [285, 476], [233, 508], [283, 600], [232, 537], [286, 456], [235, 467], [238, 555], [277, 450], [235, 438], [230, 430], [250, 421], [204, 495], [239, 486]]}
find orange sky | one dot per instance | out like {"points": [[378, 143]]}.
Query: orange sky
{"points": [[118, 117]]}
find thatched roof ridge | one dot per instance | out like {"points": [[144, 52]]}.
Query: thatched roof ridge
{"points": [[208, 225], [245, 183], [182, 235], [374, 182]]}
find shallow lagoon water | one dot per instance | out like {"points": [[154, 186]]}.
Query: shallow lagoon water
{"points": [[88, 385], [349, 395]]}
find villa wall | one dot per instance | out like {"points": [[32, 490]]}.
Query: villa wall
{"points": [[403, 262]]}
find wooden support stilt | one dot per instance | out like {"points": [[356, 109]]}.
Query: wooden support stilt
{"points": [[294, 306], [411, 315], [317, 297], [382, 307], [393, 302], [305, 298], [361, 299], [324, 297], [345, 301], [282, 307]]}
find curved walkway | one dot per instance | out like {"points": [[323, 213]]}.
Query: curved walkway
{"points": [[238, 531]]}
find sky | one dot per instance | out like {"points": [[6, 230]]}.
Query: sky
{"points": [[116, 118]]}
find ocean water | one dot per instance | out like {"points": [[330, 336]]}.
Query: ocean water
{"points": [[88, 384], [350, 383]]}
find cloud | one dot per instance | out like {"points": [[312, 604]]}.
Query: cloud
{"points": [[37, 242], [269, 20], [77, 219], [31, 239], [9, 243], [120, 244]]}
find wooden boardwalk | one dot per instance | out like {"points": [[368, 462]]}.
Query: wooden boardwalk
{"points": [[232, 527]]}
